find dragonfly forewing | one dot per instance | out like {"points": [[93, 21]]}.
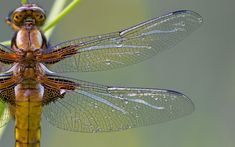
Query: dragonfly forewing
{"points": [[7, 58], [129, 46]]}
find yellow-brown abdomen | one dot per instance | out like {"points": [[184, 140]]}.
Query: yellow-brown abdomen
{"points": [[27, 127], [28, 109]]}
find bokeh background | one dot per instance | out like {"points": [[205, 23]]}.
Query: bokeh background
{"points": [[202, 66]]}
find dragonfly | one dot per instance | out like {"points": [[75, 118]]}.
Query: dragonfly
{"points": [[35, 84]]}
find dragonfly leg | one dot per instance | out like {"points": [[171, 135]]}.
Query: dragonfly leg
{"points": [[10, 23]]}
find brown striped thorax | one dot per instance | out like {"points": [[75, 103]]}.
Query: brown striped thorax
{"points": [[28, 41]]}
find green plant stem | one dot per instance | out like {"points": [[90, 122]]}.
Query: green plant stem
{"points": [[24, 1], [2, 112], [6, 43], [61, 15], [56, 9]]}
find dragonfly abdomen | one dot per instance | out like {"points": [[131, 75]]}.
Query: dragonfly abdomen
{"points": [[27, 127], [28, 109]]}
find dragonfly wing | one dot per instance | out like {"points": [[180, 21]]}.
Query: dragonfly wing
{"points": [[6, 58], [5, 49], [7, 97], [132, 45], [98, 108], [4, 67]]}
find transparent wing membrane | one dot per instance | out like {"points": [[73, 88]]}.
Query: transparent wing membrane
{"points": [[6, 49], [98, 108], [132, 45]]}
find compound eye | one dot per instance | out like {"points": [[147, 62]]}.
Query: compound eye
{"points": [[39, 17], [18, 18]]}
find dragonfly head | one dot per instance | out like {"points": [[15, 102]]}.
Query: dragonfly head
{"points": [[28, 14]]}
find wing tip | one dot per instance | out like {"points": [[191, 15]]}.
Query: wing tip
{"points": [[182, 11], [193, 13], [190, 102]]}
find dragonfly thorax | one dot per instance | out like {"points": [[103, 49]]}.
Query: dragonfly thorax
{"points": [[28, 39]]}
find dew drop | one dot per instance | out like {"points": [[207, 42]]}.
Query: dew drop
{"points": [[149, 47], [97, 130], [108, 62], [119, 45], [118, 42], [137, 53], [171, 107], [136, 107]]}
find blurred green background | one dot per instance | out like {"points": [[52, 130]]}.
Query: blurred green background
{"points": [[202, 66]]}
